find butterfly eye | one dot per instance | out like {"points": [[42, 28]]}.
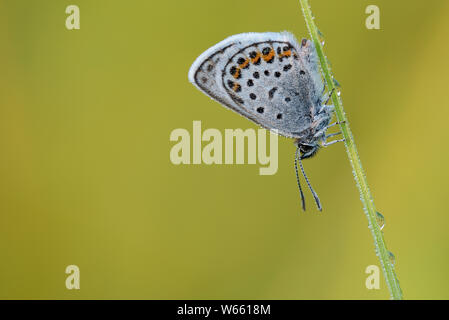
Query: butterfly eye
{"points": [[306, 148]]}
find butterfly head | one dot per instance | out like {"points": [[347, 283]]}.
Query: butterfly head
{"points": [[307, 150]]}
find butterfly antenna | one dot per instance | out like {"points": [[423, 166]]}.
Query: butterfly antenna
{"points": [[303, 201], [317, 200]]}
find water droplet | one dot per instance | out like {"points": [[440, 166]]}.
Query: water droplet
{"points": [[320, 33], [336, 83], [320, 37], [392, 258], [380, 220]]}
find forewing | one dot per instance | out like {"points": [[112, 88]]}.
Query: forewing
{"points": [[261, 76], [206, 72]]}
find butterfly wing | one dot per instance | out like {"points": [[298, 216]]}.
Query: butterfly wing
{"points": [[206, 72], [264, 77]]}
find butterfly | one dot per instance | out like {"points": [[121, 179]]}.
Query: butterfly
{"points": [[274, 81]]}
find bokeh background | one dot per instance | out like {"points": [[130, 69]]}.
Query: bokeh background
{"points": [[86, 178]]}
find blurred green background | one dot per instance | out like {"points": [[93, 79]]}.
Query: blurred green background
{"points": [[86, 178]]}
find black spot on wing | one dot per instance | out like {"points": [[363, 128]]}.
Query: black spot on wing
{"points": [[271, 92], [287, 67]]}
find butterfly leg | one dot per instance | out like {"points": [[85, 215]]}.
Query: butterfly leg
{"points": [[326, 109], [320, 124], [333, 134], [327, 144], [330, 95], [335, 123], [323, 131]]}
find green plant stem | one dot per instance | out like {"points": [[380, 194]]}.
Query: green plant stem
{"points": [[362, 184]]}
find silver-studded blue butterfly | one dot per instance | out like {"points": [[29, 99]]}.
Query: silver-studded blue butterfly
{"points": [[272, 80]]}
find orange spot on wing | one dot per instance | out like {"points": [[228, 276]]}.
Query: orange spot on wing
{"points": [[244, 64], [286, 54], [256, 58], [269, 56], [237, 74]]}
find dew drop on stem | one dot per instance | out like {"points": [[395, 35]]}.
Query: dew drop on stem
{"points": [[380, 220], [336, 83], [392, 258]]}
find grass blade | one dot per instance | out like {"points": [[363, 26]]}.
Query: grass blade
{"points": [[359, 175]]}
